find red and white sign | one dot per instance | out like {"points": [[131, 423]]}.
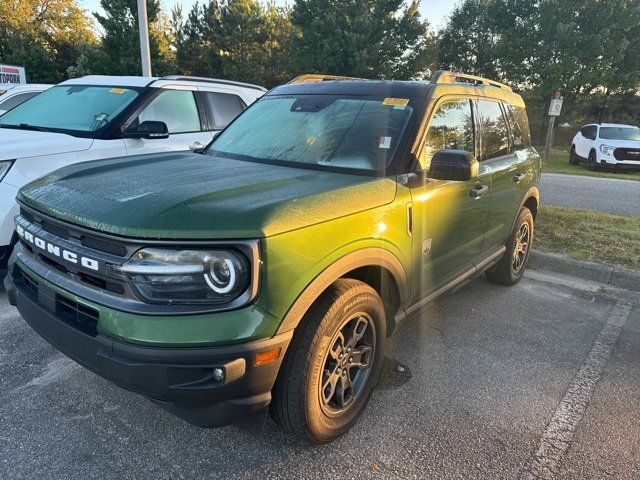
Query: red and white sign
{"points": [[12, 74]]}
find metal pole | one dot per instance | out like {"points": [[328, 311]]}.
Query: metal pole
{"points": [[549, 142], [143, 25]]}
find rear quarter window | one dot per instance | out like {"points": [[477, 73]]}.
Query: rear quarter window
{"points": [[224, 107], [519, 122]]}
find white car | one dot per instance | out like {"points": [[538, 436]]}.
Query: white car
{"points": [[607, 145], [13, 94], [97, 117]]}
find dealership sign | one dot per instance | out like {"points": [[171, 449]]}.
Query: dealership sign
{"points": [[12, 74]]}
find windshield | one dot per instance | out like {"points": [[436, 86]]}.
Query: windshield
{"points": [[620, 133], [318, 131], [72, 108]]}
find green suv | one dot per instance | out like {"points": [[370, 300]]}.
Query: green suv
{"points": [[268, 271]]}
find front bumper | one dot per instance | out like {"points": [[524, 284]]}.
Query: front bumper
{"points": [[179, 380]]}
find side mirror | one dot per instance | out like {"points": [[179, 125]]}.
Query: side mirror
{"points": [[457, 165], [149, 129]]}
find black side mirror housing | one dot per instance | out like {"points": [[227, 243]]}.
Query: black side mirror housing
{"points": [[149, 129], [456, 165]]}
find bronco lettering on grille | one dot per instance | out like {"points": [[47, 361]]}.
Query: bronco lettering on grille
{"points": [[56, 250]]}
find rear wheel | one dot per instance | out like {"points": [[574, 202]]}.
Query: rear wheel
{"points": [[333, 363], [509, 270], [573, 158]]}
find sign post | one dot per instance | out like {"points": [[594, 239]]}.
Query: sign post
{"points": [[554, 110]]}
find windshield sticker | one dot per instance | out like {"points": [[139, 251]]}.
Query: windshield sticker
{"points": [[385, 142], [117, 91], [396, 102]]}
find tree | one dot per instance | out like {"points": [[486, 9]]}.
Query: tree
{"points": [[235, 39], [119, 52], [45, 36], [363, 38]]}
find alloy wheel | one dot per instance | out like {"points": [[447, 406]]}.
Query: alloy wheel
{"points": [[347, 364]]}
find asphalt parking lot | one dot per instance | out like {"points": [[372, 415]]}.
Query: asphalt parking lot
{"points": [[533, 381]]}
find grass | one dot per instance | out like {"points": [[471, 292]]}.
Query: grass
{"points": [[559, 163], [587, 235]]}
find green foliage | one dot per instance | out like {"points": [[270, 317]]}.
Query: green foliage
{"points": [[237, 39], [362, 38], [45, 36], [119, 51], [573, 46]]}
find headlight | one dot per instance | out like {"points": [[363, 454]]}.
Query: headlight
{"points": [[607, 150], [5, 165], [186, 276]]}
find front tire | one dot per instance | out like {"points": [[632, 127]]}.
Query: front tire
{"points": [[509, 270], [592, 163], [333, 363]]}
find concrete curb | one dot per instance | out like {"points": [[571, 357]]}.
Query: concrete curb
{"points": [[596, 272]]}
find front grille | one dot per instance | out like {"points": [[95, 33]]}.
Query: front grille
{"points": [[627, 154], [72, 313], [77, 315], [104, 246]]}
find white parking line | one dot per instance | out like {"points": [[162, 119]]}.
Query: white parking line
{"points": [[546, 462]]}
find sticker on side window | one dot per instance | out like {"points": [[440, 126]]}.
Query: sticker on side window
{"points": [[385, 142], [396, 102], [117, 91]]}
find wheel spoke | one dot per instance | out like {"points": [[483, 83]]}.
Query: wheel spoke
{"points": [[359, 357], [330, 383], [337, 347], [359, 329]]}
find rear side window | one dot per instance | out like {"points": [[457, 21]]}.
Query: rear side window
{"points": [[16, 100], [451, 128], [224, 107], [176, 108], [494, 133], [519, 126]]}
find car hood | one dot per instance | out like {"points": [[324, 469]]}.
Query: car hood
{"points": [[191, 196], [28, 143]]}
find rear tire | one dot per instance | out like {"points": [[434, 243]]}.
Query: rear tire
{"points": [[573, 158], [333, 363], [509, 270]]}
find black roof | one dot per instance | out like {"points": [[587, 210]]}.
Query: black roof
{"points": [[386, 88]]}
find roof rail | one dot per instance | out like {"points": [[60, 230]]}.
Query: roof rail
{"points": [[318, 77], [186, 78], [443, 76]]}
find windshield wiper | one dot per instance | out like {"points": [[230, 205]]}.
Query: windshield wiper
{"points": [[25, 126]]}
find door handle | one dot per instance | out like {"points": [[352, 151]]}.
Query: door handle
{"points": [[478, 191], [518, 178], [196, 146]]}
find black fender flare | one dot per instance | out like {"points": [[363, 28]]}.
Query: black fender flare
{"points": [[534, 193], [366, 257]]}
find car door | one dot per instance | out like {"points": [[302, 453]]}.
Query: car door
{"points": [[221, 108], [507, 168], [178, 109], [585, 140], [448, 222]]}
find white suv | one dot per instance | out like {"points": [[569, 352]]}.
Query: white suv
{"points": [[98, 117], [607, 145], [13, 94]]}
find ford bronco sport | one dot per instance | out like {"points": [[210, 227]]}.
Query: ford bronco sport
{"points": [[268, 272]]}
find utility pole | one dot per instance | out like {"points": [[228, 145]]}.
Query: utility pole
{"points": [[554, 110], [143, 26]]}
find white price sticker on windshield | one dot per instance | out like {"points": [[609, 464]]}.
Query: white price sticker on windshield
{"points": [[385, 142]]}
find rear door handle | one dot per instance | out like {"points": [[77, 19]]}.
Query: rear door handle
{"points": [[478, 191], [518, 178]]}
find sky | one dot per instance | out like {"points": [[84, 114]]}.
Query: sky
{"points": [[434, 11]]}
